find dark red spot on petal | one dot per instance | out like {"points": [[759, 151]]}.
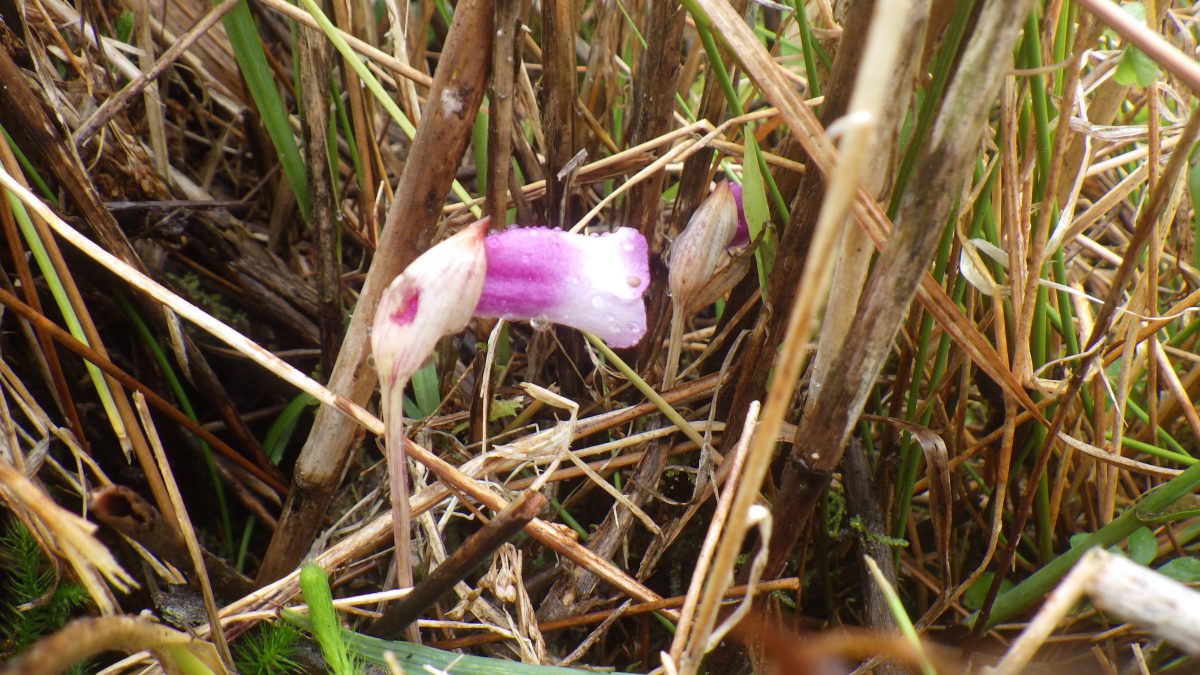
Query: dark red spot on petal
{"points": [[405, 314]]}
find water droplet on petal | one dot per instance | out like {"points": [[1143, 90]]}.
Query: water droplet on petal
{"points": [[597, 301], [627, 246], [538, 324]]}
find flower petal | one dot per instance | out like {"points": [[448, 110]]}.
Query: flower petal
{"points": [[593, 283], [434, 296], [742, 237]]}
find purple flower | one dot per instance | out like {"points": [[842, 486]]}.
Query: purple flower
{"points": [[434, 296], [742, 236], [592, 283]]}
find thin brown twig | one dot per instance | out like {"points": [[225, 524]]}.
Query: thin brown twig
{"points": [[772, 586], [186, 530], [1141, 36], [477, 548], [116, 103]]}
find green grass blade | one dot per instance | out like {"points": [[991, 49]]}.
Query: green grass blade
{"points": [[42, 258], [1031, 58], [167, 370], [343, 122], [899, 614], [324, 622], [247, 49], [372, 83], [426, 397], [420, 659], [31, 171], [806, 44], [284, 426], [648, 391], [1034, 587], [754, 202]]}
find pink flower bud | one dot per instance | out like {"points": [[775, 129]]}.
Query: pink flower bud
{"points": [[434, 296], [593, 283]]}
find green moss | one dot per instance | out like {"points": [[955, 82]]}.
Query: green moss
{"points": [[33, 602], [269, 650]]}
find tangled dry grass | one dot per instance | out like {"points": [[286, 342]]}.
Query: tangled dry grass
{"points": [[964, 356]]}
